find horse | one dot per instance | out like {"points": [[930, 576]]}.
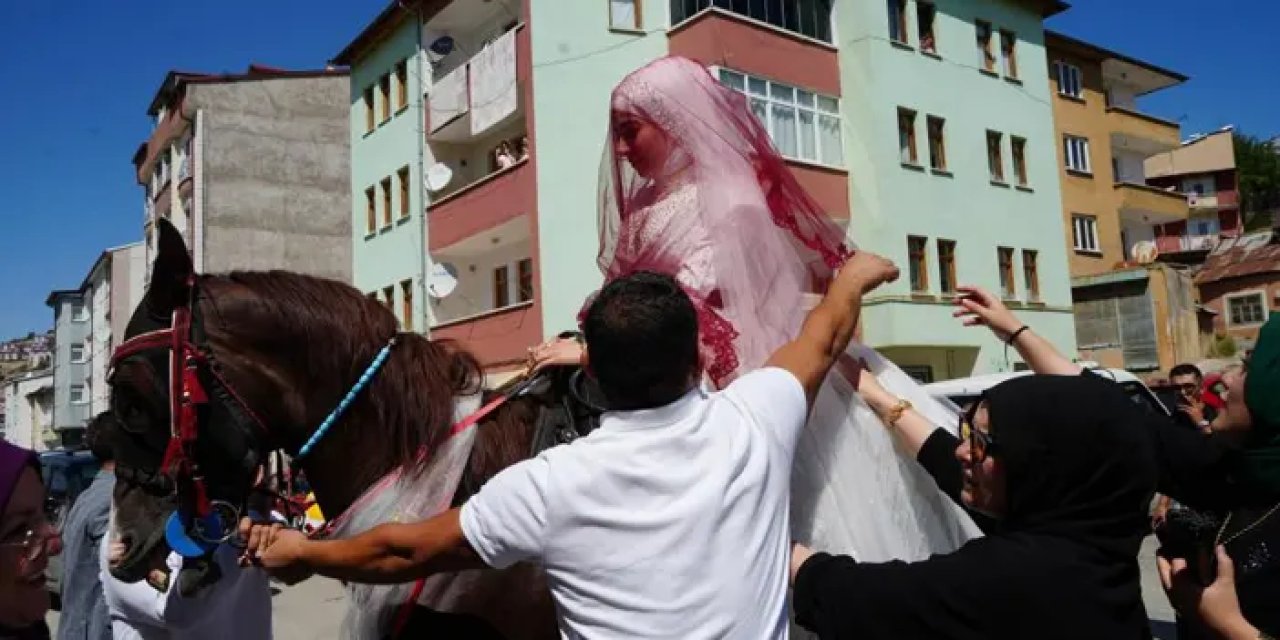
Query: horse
{"points": [[215, 372]]}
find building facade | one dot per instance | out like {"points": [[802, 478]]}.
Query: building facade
{"points": [[113, 288], [252, 169], [1130, 313], [72, 346], [28, 415], [1203, 168], [1240, 284], [512, 117]]}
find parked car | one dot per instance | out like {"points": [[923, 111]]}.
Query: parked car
{"points": [[962, 391], [66, 474]]}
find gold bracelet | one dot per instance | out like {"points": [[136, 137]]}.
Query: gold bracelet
{"points": [[895, 413]]}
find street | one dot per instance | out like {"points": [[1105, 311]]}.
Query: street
{"points": [[313, 610]]}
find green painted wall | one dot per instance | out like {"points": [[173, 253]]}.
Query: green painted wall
{"points": [[391, 254], [890, 202], [577, 61]]}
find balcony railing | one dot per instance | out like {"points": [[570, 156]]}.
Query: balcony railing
{"points": [[1178, 244], [1151, 201], [1219, 200], [1155, 133]]}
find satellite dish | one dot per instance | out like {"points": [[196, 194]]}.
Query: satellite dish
{"points": [[442, 280], [441, 46], [437, 176], [1144, 252]]}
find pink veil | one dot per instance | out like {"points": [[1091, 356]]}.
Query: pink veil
{"points": [[712, 215]]}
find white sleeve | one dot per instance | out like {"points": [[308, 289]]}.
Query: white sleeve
{"points": [[775, 398], [506, 521]]}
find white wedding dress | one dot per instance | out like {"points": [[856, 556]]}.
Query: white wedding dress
{"points": [[853, 490]]}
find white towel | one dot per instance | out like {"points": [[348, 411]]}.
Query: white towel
{"points": [[494, 94], [449, 98]]}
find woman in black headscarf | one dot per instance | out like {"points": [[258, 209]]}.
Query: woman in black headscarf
{"points": [[1233, 474], [1065, 471]]}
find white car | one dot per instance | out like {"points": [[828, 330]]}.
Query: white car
{"points": [[965, 390]]}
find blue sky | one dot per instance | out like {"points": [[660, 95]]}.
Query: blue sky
{"points": [[78, 77]]}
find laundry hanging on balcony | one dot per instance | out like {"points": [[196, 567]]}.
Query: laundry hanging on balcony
{"points": [[449, 97], [494, 94]]}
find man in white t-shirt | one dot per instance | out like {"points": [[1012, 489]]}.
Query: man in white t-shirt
{"points": [[671, 519]]}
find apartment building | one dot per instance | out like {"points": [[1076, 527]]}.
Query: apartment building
{"points": [[479, 128], [71, 356], [1131, 312], [251, 168], [1203, 168]]}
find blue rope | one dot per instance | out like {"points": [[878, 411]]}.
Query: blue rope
{"points": [[342, 407]]}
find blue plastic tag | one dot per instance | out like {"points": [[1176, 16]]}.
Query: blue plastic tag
{"points": [[175, 533]]}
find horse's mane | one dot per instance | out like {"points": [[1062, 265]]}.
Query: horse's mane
{"points": [[320, 335]]}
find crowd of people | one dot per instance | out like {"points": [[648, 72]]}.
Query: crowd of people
{"points": [[757, 467]]}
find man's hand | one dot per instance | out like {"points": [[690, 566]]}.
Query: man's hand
{"points": [[1194, 410], [864, 271], [1216, 605], [284, 558], [799, 554]]}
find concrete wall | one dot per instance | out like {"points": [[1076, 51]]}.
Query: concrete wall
{"points": [[28, 411], [128, 278], [275, 173], [99, 294], [392, 254], [577, 61], [69, 330], [890, 202]]}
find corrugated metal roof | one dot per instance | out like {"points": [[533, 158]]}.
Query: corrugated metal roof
{"points": [[1248, 255]]}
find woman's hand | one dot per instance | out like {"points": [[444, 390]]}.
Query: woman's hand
{"points": [[561, 352], [1216, 605], [977, 306], [799, 553]]}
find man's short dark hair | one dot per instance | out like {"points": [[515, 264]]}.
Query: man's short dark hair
{"points": [[1186, 369], [99, 436], [642, 341]]}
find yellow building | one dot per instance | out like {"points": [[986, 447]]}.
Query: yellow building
{"points": [[1130, 312]]}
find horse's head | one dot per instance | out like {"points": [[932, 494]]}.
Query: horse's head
{"points": [[211, 455]]}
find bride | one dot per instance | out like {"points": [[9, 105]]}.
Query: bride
{"points": [[692, 187]]}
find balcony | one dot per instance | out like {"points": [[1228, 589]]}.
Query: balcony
{"points": [[1150, 205], [1132, 130], [471, 98], [1214, 201], [494, 200], [1186, 243]]}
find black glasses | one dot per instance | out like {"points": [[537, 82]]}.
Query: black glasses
{"points": [[980, 442]]}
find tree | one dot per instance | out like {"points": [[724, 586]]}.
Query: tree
{"points": [[1258, 173]]}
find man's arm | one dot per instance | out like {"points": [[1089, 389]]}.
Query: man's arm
{"points": [[830, 326], [385, 554]]}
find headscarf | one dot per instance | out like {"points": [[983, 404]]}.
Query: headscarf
{"points": [[13, 461], [1076, 460], [1080, 471], [1259, 460]]}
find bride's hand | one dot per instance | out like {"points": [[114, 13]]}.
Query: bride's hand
{"points": [[977, 306], [561, 352]]}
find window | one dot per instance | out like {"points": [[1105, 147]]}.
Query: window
{"points": [[371, 210], [995, 155], [1068, 79], [898, 21], [986, 57], [406, 304], [1084, 233], [1031, 274], [1077, 153], [1009, 53], [1019, 160], [624, 15], [1247, 309], [384, 95], [402, 178], [78, 395], [803, 125], [947, 266], [524, 273], [77, 353], [810, 18], [937, 143], [386, 202], [369, 120], [926, 15], [402, 85], [919, 268], [389, 298], [921, 373], [907, 136], [501, 287], [1007, 288], [78, 312]]}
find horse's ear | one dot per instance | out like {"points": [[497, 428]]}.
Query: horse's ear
{"points": [[172, 275]]}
